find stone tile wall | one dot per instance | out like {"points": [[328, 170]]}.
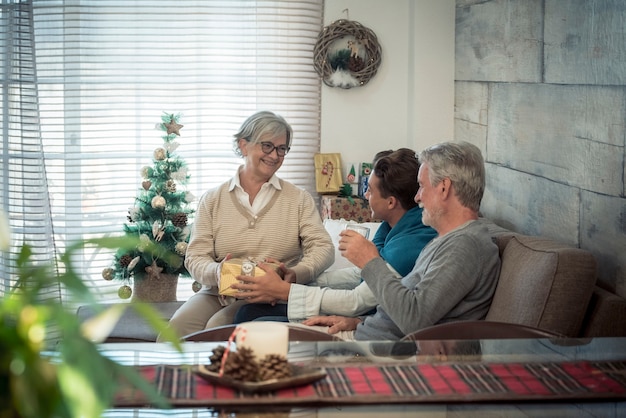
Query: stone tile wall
{"points": [[540, 88]]}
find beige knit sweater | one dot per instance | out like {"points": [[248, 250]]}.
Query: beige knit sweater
{"points": [[289, 229]]}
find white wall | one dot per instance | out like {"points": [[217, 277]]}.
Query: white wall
{"points": [[410, 101]]}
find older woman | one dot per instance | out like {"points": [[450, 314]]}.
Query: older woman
{"points": [[255, 214]]}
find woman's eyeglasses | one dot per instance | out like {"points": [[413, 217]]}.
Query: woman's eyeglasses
{"points": [[268, 147]]}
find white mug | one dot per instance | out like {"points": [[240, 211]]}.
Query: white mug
{"points": [[363, 230]]}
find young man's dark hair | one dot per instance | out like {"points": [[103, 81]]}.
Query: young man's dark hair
{"points": [[397, 171]]}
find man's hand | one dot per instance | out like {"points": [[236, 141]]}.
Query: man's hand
{"points": [[268, 288], [334, 322], [356, 248]]}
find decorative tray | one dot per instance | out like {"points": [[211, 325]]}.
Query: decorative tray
{"points": [[301, 376]]}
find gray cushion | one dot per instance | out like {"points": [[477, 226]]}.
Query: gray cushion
{"points": [[543, 284]]}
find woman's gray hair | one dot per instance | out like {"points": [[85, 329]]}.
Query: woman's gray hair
{"points": [[463, 164], [260, 125]]}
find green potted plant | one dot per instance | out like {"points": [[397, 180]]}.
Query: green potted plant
{"points": [[50, 365]]}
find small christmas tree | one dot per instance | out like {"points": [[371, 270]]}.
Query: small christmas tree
{"points": [[161, 216]]}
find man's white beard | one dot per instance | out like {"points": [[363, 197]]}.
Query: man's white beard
{"points": [[430, 218]]}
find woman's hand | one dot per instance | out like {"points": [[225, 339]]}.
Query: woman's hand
{"points": [[334, 322], [219, 268], [268, 288], [289, 275]]}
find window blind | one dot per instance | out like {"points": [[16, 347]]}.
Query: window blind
{"points": [[108, 69]]}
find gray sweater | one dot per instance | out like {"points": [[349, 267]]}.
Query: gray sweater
{"points": [[454, 278]]}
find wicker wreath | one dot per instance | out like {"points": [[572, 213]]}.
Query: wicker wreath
{"points": [[347, 54]]}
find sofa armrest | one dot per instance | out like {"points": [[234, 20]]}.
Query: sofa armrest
{"points": [[606, 315]]}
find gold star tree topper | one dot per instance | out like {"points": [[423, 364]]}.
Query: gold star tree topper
{"points": [[173, 127]]}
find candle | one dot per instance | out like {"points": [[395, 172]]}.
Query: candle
{"points": [[263, 338]]}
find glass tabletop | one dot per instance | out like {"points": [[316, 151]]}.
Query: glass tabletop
{"points": [[505, 350], [368, 354]]}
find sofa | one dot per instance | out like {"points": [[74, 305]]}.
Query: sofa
{"points": [[543, 284]]}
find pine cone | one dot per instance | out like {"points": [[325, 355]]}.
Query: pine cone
{"points": [[179, 219], [216, 358], [241, 365], [356, 64], [170, 186], [274, 366], [125, 260]]}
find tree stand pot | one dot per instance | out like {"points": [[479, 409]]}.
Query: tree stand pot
{"points": [[151, 288]]}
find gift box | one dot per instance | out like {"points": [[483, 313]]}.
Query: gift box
{"points": [[236, 267], [348, 208], [364, 176]]}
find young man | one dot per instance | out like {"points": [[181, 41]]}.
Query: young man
{"points": [[455, 275], [398, 241]]}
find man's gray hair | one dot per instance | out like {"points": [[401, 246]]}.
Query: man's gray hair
{"points": [[463, 164]]}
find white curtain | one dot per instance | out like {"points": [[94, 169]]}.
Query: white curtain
{"points": [[106, 71], [23, 185]]}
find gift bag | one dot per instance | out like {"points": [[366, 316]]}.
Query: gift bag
{"points": [[328, 175]]}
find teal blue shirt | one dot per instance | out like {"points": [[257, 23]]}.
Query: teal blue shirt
{"points": [[401, 245]]}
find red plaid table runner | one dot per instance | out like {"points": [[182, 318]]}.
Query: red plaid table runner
{"points": [[417, 383]]}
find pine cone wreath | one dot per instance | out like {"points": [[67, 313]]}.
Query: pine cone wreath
{"points": [[216, 359], [241, 365], [274, 366], [179, 220]]}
